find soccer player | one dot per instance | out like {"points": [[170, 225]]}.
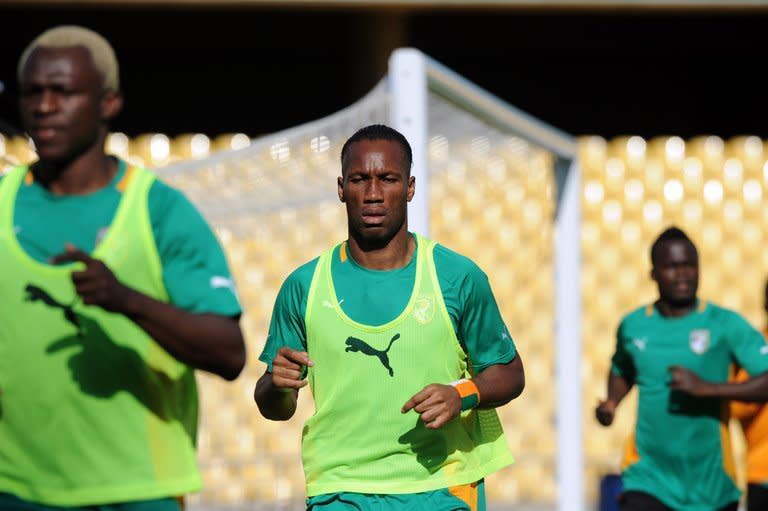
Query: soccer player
{"points": [[114, 289], [404, 348], [678, 351], [754, 423]]}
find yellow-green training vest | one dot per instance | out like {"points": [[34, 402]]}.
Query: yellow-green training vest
{"points": [[92, 410], [358, 440]]}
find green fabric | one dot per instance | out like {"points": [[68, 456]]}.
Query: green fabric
{"points": [[383, 367], [189, 251], [376, 297], [437, 500], [469, 402], [93, 410], [682, 460], [12, 503]]}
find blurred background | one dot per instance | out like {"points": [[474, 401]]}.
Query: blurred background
{"points": [[664, 103], [594, 67]]}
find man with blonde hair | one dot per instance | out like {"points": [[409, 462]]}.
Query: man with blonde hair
{"points": [[114, 290]]}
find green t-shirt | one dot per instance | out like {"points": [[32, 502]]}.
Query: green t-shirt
{"points": [[681, 451], [195, 271], [375, 297]]}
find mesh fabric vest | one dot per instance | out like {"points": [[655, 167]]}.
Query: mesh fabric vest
{"points": [[92, 410], [358, 440]]}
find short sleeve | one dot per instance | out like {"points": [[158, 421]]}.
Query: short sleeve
{"points": [[747, 345], [195, 270], [480, 327], [621, 362], [287, 326]]}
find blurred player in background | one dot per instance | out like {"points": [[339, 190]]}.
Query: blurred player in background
{"points": [[405, 349], [114, 289], [678, 351], [754, 422]]}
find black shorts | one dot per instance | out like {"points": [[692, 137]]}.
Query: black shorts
{"points": [[640, 501]]}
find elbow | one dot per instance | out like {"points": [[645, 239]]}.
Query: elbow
{"points": [[518, 388], [516, 379], [274, 415], [235, 365], [515, 389], [233, 359]]}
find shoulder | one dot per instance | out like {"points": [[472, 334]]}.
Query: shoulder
{"points": [[716, 310], [451, 265], [173, 215], [719, 314], [300, 279], [636, 317], [163, 197]]}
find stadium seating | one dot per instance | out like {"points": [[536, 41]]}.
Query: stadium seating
{"points": [[492, 199]]}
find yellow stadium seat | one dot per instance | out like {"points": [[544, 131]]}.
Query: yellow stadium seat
{"points": [[151, 150], [708, 148], [230, 142], [749, 150], [592, 155], [118, 144], [190, 146], [16, 150]]}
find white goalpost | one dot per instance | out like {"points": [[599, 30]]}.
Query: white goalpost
{"points": [[492, 182], [412, 74]]}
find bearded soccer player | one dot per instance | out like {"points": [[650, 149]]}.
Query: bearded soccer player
{"points": [[112, 295], [678, 351], [754, 424], [405, 352]]}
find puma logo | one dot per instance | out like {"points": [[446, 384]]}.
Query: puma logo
{"points": [[36, 294], [355, 344]]}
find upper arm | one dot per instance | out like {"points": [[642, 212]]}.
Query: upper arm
{"points": [[748, 346], [621, 362], [195, 269], [480, 326], [287, 326]]}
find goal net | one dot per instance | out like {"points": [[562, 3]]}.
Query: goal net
{"points": [[490, 184]]}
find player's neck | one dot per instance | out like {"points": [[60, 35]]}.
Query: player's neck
{"points": [[85, 174], [673, 310], [391, 255]]}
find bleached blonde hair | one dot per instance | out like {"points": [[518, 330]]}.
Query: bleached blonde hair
{"points": [[68, 36]]}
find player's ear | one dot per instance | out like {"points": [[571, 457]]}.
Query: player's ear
{"points": [[111, 104], [340, 187]]}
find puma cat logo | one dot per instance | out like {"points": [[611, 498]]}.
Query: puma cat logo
{"points": [[355, 344], [36, 294]]}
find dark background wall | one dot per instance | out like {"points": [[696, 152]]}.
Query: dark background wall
{"points": [[260, 70]]}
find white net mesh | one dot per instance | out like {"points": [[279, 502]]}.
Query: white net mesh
{"points": [[492, 198]]}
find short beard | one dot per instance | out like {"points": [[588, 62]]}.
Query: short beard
{"points": [[371, 243], [680, 303]]}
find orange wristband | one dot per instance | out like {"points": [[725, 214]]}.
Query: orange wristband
{"points": [[470, 396]]}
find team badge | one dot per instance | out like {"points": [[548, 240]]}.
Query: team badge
{"points": [[699, 342], [424, 309]]}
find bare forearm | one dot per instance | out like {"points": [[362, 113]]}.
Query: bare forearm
{"points": [[500, 384], [618, 388], [277, 404], [209, 342], [753, 390]]}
